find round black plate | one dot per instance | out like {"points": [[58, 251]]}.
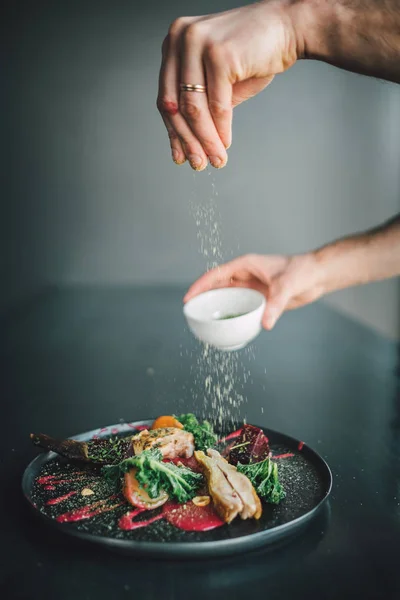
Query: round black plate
{"points": [[304, 475]]}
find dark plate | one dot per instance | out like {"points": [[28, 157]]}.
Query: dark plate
{"points": [[304, 475]]}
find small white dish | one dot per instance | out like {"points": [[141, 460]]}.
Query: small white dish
{"points": [[226, 318]]}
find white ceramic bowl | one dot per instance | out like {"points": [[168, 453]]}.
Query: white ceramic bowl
{"points": [[227, 318]]}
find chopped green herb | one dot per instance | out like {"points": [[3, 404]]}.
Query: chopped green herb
{"points": [[239, 446], [108, 451], [203, 433], [264, 477], [156, 476]]}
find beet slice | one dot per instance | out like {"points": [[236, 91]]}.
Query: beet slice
{"points": [[252, 446], [190, 517]]}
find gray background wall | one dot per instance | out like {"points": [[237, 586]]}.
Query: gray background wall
{"points": [[90, 194]]}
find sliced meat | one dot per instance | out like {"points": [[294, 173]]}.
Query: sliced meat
{"points": [[226, 500], [108, 451], [242, 485], [171, 441]]}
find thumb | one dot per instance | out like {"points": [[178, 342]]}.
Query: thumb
{"points": [[243, 90], [276, 305]]}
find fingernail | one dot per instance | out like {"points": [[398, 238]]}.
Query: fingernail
{"points": [[196, 161], [177, 157], [271, 323], [271, 319], [215, 161]]}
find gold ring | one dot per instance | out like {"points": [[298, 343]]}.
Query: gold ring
{"points": [[193, 87]]}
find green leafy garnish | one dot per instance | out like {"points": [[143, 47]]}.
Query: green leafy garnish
{"points": [[108, 451], [156, 476], [203, 433], [264, 477]]}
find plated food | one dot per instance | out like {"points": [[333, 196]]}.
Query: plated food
{"points": [[180, 464], [173, 486]]}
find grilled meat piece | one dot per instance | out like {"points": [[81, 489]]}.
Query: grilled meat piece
{"points": [[243, 486], [97, 452], [171, 441], [226, 501], [232, 492]]}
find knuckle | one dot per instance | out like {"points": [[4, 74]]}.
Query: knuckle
{"points": [[177, 26], [218, 109], [194, 32], [190, 109], [166, 105], [219, 53]]}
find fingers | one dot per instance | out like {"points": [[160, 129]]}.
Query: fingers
{"points": [[194, 105], [178, 154], [219, 90], [229, 274], [218, 277], [279, 296], [168, 102]]}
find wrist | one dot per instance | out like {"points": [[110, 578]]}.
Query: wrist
{"points": [[344, 263], [317, 26]]}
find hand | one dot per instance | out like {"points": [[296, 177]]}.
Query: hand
{"points": [[236, 54], [287, 282]]}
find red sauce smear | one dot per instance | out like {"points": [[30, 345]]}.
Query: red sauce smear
{"points": [[287, 455], [141, 427], [87, 512], [190, 517], [47, 478], [50, 481], [231, 436], [126, 522], [300, 446], [61, 498]]}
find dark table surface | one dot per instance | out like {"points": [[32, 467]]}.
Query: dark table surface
{"points": [[79, 359]]}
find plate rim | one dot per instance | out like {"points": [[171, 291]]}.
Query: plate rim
{"points": [[173, 549]]}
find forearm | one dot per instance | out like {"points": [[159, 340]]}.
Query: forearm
{"points": [[361, 258], [362, 36]]}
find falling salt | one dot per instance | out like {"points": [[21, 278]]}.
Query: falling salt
{"points": [[218, 378]]}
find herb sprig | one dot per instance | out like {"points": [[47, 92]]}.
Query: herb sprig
{"points": [[203, 433], [155, 476], [108, 451], [264, 477]]}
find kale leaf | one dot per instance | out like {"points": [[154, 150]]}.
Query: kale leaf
{"points": [[264, 477], [156, 476], [203, 433]]}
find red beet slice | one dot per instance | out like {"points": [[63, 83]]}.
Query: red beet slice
{"points": [[252, 446], [190, 517]]}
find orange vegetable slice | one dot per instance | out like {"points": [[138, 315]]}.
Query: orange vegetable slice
{"points": [[166, 421], [137, 496]]}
